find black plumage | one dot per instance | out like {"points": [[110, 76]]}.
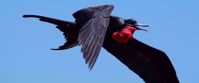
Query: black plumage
{"points": [[93, 29]]}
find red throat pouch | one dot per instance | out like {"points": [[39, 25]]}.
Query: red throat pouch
{"points": [[124, 35]]}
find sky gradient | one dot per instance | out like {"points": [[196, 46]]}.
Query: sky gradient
{"points": [[25, 55]]}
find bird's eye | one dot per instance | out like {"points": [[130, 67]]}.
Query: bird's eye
{"points": [[130, 22]]}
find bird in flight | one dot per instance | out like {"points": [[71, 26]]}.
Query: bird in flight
{"points": [[95, 27]]}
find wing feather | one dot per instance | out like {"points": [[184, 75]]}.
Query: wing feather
{"points": [[94, 22]]}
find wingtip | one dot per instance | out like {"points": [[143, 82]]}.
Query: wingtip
{"points": [[56, 49], [35, 16], [25, 16], [90, 68]]}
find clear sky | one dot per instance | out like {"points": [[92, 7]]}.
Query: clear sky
{"points": [[25, 55]]}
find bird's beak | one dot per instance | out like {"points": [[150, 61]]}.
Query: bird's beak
{"points": [[142, 25]]}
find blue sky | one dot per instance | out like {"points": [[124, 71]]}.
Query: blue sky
{"points": [[25, 55]]}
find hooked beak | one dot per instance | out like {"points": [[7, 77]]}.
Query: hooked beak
{"points": [[142, 25]]}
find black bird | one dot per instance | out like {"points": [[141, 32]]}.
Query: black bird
{"points": [[94, 28]]}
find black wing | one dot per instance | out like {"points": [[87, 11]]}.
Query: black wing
{"points": [[151, 64], [69, 28], [94, 22]]}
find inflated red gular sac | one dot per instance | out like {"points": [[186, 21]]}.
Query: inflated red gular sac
{"points": [[124, 35]]}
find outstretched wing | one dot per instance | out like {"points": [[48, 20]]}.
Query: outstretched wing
{"points": [[94, 22], [151, 64], [69, 29], [154, 63]]}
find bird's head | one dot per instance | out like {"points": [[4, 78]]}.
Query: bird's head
{"points": [[135, 25], [126, 33]]}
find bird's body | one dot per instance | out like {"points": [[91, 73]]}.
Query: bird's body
{"points": [[94, 28]]}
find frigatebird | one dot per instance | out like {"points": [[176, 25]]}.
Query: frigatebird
{"points": [[95, 27]]}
